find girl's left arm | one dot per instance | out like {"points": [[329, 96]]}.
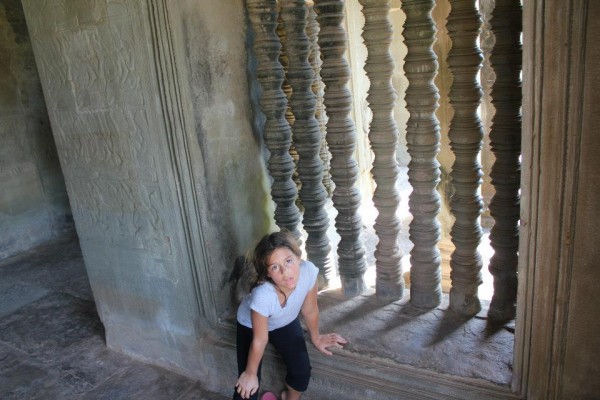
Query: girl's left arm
{"points": [[310, 312]]}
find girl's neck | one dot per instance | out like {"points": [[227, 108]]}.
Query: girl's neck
{"points": [[285, 291], [282, 295]]}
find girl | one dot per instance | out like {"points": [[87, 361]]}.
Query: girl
{"points": [[286, 286]]}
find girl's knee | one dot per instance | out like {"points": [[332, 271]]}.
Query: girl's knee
{"points": [[299, 378]]}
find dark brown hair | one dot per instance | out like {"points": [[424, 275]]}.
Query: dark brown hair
{"points": [[266, 246]]}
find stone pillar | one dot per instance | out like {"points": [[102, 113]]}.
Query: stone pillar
{"points": [[487, 78], [307, 137], [341, 139], [277, 132], [466, 134], [287, 89], [423, 138], [314, 57], [383, 136], [505, 137], [444, 113]]}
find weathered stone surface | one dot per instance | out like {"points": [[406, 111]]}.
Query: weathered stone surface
{"points": [[466, 135], [16, 294], [33, 203], [24, 377], [383, 136], [51, 326], [307, 137], [52, 346], [236, 209], [276, 131], [41, 272], [423, 138], [341, 140], [438, 340], [505, 140], [124, 183], [20, 192], [552, 332], [196, 392], [142, 382]]}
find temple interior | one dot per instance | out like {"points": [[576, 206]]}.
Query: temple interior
{"points": [[434, 158]]}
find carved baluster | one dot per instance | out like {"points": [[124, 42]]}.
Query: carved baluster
{"points": [[277, 132], [486, 78], [307, 137], [314, 57], [287, 89], [285, 62], [423, 139], [341, 138], [505, 138], [466, 135], [383, 136]]}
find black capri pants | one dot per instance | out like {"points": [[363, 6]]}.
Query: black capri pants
{"points": [[289, 342]]}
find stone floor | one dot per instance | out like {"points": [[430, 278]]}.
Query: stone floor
{"points": [[52, 341], [436, 340]]}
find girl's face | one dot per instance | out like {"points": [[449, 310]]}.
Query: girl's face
{"points": [[283, 268]]}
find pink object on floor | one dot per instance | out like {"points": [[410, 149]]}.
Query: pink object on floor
{"points": [[268, 396]]}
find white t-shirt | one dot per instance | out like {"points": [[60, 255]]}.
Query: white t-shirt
{"points": [[263, 299]]}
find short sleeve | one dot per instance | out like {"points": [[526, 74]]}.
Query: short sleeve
{"points": [[263, 300], [313, 271]]}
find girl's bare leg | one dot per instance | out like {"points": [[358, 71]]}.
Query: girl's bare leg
{"points": [[290, 394]]}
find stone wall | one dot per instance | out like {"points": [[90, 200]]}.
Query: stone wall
{"points": [[33, 200], [152, 123], [226, 130], [558, 251]]}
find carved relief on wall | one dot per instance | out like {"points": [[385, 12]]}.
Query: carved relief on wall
{"points": [[94, 69], [101, 53]]}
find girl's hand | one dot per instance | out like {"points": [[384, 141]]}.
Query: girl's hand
{"points": [[328, 340], [246, 385]]}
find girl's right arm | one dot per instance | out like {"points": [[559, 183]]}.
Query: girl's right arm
{"points": [[247, 384]]}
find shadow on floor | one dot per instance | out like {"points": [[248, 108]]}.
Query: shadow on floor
{"points": [[437, 340], [52, 341]]}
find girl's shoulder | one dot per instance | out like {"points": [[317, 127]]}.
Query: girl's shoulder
{"points": [[263, 289], [309, 269], [307, 264], [263, 299]]}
